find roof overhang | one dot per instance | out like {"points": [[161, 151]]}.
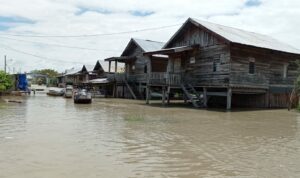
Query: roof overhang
{"points": [[121, 59], [169, 51]]}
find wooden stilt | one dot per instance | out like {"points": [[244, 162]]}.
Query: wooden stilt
{"points": [[114, 90], [123, 92], [163, 96], [168, 95], [148, 95], [229, 96], [109, 66], [205, 97]]}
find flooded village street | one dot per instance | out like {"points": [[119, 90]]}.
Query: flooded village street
{"points": [[47, 137]]}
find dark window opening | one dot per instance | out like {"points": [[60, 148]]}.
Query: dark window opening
{"points": [[251, 67], [214, 66], [145, 69]]}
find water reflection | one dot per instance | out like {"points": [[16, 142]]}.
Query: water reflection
{"points": [[52, 137]]}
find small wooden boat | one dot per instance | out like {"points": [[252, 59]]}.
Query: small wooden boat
{"points": [[55, 92], [82, 96], [68, 92]]}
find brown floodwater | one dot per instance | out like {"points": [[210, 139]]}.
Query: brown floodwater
{"points": [[47, 137]]}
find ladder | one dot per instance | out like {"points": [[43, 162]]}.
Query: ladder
{"points": [[192, 95]]}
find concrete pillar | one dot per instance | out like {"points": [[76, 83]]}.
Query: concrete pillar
{"points": [[229, 96]]}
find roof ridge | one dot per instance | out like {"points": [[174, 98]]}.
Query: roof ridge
{"points": [[148, 40]]}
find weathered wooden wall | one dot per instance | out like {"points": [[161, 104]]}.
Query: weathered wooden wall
{"points": [[268, 67], [191, 35]]}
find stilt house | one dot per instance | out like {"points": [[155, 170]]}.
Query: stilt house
{"points": [[132, 82], [219, 65]]}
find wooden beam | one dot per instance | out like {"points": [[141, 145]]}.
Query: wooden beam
{"points": [[168, 95], [229, 95], [116, 66], [148, 94], [109, 66], [205, 97], [163, 96]]}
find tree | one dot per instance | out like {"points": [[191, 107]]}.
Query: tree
{"points": [[49, 72], [5, 81]]}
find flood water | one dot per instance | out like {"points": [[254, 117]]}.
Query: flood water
{"points": [[47, 137]]}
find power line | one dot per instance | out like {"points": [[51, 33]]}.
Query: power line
{"points": [[37, 56], [92, 35], [58, 45]]}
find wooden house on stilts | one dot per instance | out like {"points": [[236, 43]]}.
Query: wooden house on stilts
{"points": [[218, 65], [132, 82]]}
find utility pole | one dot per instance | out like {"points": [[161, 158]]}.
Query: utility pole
{"points": [[5, 63]]}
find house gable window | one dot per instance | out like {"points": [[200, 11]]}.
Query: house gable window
{"points": [[251, 65], [192, 60]]}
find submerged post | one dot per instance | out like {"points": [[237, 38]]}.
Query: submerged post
{"points": [[163, 95], [205, 97], [229, 96], [147, 94], [168, 95]]}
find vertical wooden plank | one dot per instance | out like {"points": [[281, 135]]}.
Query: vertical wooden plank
{"points": [[116, 66], [109, 66], [168, 95], [229, 95], [205, 97], [163, 95], [267, 99], [148, 94], [123, 92]]}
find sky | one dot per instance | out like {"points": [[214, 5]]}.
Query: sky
{"points": [[60, 34]]}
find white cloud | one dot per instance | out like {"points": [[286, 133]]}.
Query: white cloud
{"points": [[58, 17]]}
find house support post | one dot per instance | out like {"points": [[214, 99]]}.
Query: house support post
{"points": [[163, 95], [229, 96], [267, 99], [116, 66], [148, 94], [205, 97], [109, 66], [168, 95]]}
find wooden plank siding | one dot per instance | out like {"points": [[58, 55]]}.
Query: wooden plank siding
{"points": [[268, 67]]}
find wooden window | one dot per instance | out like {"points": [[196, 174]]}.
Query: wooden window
{"points": [[192, 60], [145, 69], [285, 70], [251, 66]]}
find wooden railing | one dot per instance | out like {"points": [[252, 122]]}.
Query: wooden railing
{"points": [[117, 77], [164, 78], [156, 78]]}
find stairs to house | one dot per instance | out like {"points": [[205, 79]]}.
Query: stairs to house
{"points": [[192, 95], [133, 89]]}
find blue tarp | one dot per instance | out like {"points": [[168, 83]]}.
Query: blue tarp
{"points": [[22, 82]]}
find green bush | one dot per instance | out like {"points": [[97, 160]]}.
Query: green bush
{"points": [[5, 81]]}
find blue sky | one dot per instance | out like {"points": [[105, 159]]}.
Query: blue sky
{"points": [[275, 18]]}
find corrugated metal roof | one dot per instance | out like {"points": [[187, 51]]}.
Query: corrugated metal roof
{"points": [[247, 38], [72, 71], [148, 45]]}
